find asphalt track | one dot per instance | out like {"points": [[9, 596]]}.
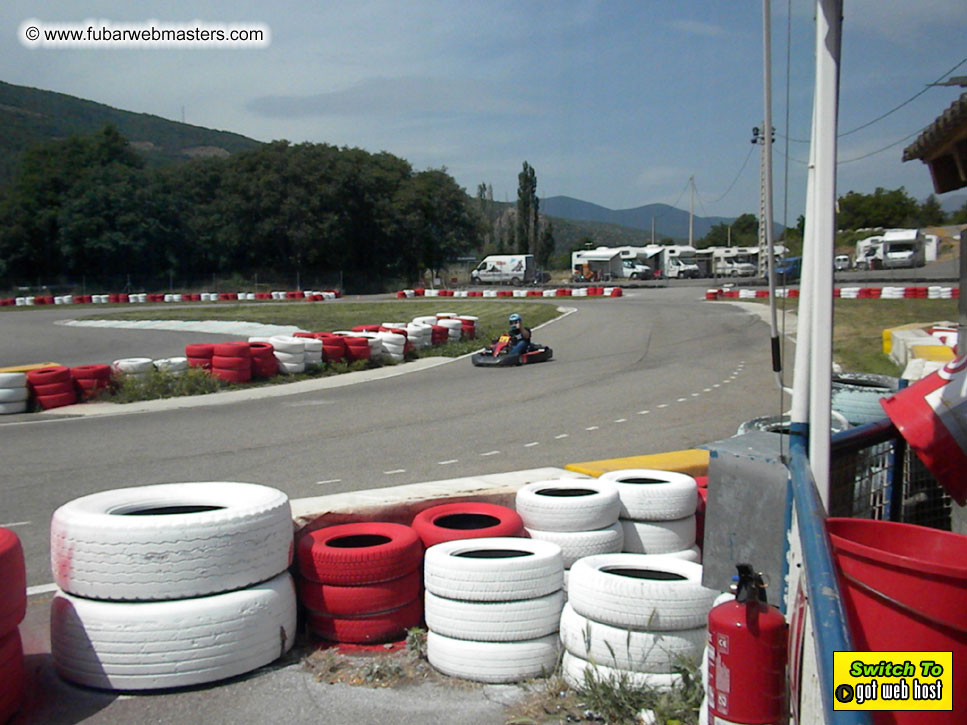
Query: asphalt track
{"points": [[656, 370]]}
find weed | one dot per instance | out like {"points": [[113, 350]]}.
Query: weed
{"points": [[163, 384], [416, 642]]}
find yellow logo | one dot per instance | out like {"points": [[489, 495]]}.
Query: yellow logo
{"points": [[892, 681]]}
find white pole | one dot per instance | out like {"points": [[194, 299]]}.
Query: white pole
{"points": [[828, 43], [691, 209], [767, 181]]}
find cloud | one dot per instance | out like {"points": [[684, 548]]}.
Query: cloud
{"points": [[399, 97]]}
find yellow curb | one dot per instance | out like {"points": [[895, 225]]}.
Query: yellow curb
{"points": [[935, 353], [888, 338], [27, 368], [693, 461]]}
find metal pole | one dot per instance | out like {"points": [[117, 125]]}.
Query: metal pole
{"points": [[828, 43], [691, 209], [766, 218], [962, 303]]}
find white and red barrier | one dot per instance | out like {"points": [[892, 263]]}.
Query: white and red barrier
{"points": [[139, 298], [934, 292]]}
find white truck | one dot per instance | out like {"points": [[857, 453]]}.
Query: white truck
{"points": [[678, 262], [903, 248], [515, 269]]}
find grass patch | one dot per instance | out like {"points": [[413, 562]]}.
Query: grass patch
{"points": [[858, 328], [327, 317]]}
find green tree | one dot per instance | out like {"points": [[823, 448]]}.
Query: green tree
{"points": [[545, 244], [959, 216], [742, 232], [881, 209], [528, 219], [931, 213]]}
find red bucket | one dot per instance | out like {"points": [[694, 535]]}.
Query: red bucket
{"points": [[904, 588], [931, 415]]}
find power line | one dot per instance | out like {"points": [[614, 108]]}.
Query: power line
{"points": [[864, 156], [891, 111], [726, 193]]}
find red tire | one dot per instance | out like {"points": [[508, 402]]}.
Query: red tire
{"points": [[231, 363], [13, 583], [342, 601], [265, 367], [57, 401], [52, 389], [388, 626], [359, 553], [236, 348], [48, 375], [467, 520], [200, 350], [261, 350], [12, 679], [205, 363], [91, 372], [232, 376], [88, 384]]}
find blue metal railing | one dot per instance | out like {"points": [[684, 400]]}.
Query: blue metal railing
{"points": [[825, 604]]}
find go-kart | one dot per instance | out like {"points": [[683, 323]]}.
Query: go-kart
{"points": [[499, 353]]}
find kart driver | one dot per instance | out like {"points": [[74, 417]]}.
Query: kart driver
{"points": [[519, 334]]}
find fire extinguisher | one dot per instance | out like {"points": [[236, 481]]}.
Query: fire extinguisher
{"points": [[747, 641]]}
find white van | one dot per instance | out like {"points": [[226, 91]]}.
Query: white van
{"points": [[501, 268], [903, 248]]}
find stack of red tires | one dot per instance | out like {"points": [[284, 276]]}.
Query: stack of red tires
{"points": [[264, 364], [91, 380], [52, 387], [361, 583], [232, 361], [13, 606], [200, 355]]}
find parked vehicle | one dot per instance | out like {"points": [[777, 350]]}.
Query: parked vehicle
{"points": [[730, 268], [841, 262], [903, 248], [789, 270], [631, 269], [515, 269], [677, 267]]}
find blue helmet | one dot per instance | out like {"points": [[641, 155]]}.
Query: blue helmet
{"points": [[514, 318]]}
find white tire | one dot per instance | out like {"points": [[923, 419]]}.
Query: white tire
{"points": [[172, 364], [290, 357], [691, 554], [568, 505], [637, 591], [497, 569], [286, 343], [492, 661], [311, 344], [649, 494], [10, 408], [133, 365], [13, 380], [624, 649], [170, 541], [291, 368], [257, 338], [13, 395], [578, 544], [494, 621], [573, 670], [658, 537], [153, 645]]}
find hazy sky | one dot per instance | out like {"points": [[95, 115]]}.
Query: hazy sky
{"points": [[614, 102]]}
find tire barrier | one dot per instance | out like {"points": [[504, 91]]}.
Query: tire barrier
{"points": [[200, 355], [568, 505], [12, 675], [92, 380], [264, 364], [935, 292], [170, 541], [133, 367], [290, 352], [466, 520], [13, 582], [171, 585], [650, 494], [14, 393], [232, 361], [170, 297], [176, 643], [172, 365], [360, 583], [52, 387], [495, 605], [856, 396]]}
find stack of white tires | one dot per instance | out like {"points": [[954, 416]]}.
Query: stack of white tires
{"points": [[393, 345], [312, 349], [454, 327], [493, 608], [173, 365], [579, 515], [289, 351], [13, 393], [171, 585], [133, 367], [634, 617], [657, 510]]}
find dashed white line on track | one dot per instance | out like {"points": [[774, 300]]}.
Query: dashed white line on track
{"points": [[395, 471], [490, 453], [531, 444], [447, 463], [559, 436], [331, 480], [592, 427], [16, 523]]}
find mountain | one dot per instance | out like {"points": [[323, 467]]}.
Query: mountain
{"points": [[669, 221], [30, 116], [952, 202]]}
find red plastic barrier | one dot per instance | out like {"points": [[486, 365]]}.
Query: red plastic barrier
{"points": [[474, 293], [419, 291], [617, 292], [712, 294]]}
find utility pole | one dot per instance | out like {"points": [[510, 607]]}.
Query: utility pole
{"points": [[691, 210], [653, 230]]}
